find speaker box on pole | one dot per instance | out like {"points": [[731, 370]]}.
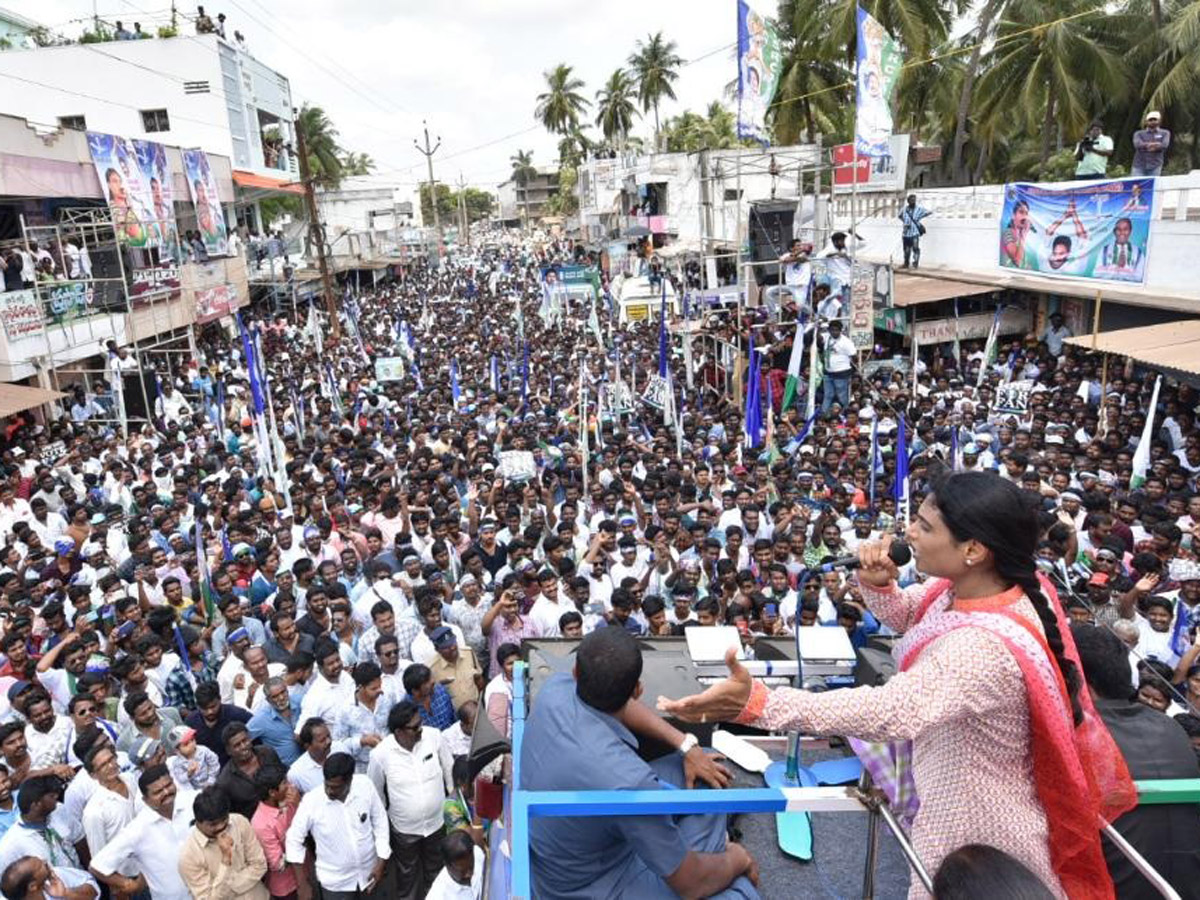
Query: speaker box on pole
{"points": [[770, 235]]}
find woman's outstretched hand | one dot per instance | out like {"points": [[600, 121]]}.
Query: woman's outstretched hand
{"points": [[723, 702]]}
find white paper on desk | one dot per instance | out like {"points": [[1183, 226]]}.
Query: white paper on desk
{"points": [[820, 642], [708, 645]]}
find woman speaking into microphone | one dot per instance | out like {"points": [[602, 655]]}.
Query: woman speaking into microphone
{"points": [[986, 704]]}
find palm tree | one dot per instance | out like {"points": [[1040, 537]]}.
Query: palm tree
{"points": [[321, 141], [522, 171], [656, 65], [992, 10], [615, 109], [358, 164], [558, 109], [1062, 72]]}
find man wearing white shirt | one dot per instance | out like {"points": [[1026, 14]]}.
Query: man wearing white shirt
{"points": [[412, 771], [839, 360], [462, 877], [550, 606], [113, 805], [349, 827], [152, 841], [331, 690]]}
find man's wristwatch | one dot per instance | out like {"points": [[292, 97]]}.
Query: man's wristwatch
{"points": [[689, 742]]}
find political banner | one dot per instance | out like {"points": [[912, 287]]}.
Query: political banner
{"points": [[125, 186], [655, 394], [391, 368], [1097, 230], [21, 312], [516, 465], [155, 279], [879, 63], [67, 301], [210, 219], [1013, 397], [760, 63], [215, 302], [858, 171], [616, 398]]}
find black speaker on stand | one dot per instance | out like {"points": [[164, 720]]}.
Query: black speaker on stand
{"points": [[770, 236]]}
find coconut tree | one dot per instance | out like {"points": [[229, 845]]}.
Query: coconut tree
{"points": [[615, 109], [321, 141], [357, 164], [656, 65], [522, 172], [560, 106]]}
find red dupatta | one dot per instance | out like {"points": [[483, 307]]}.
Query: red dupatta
{"points": [[1079, 773]]}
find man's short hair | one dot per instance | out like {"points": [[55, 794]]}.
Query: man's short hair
{"points": [[608, 666], [338, 765], [457, 845], [1105, 661], [415, 676], [268, 778], [211, 805], [401, 714]]}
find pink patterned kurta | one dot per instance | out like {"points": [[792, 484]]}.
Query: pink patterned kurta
{"points": [[964, 705]]}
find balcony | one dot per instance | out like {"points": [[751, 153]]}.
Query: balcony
{"points": [[962, 241]]}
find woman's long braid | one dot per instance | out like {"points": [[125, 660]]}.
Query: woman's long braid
{"points": [[1027, 579]]}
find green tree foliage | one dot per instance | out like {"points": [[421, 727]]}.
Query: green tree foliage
{"points": [[565, 201], [615, 109], [655, 65], [446, 204], [689, 131], [479, 203], [561, 105]]}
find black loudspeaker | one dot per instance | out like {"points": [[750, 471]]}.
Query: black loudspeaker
{"points": [[770, 235], [135, 399], [875, 666]]}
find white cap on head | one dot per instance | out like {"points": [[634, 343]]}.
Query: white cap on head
{"points": [[1153, 114]]}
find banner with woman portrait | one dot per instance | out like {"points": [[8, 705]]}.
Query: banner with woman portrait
{"points": [[1096, 230], [210, 219], [126, 186], [760, 64]]}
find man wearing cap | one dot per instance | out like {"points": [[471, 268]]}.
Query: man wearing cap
{"points": [[1150, 146], [455, 667]]}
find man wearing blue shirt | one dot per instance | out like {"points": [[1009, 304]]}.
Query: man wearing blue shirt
{"points": [[275, 722], [578, 737]]}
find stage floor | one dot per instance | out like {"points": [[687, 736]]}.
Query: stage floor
{"points": [[839, 852]]}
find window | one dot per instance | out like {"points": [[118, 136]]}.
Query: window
{"points": [[155, 120], [73, 123], [196, 87], [732, 194]]}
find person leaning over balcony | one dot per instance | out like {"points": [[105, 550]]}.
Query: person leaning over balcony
{"points": [[1150, 147]]}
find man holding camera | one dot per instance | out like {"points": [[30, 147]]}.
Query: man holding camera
{"points": [[1092, 153]]}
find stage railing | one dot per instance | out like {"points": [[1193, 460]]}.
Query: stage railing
{"points": [[526, 805]]}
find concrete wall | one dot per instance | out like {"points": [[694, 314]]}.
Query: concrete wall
{"points": [[110, 83], [962, 237]]}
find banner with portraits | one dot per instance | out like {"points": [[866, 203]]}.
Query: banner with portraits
{"points": [[210, 218], [1096, 230], [760, 64], [137, 187], [879, 63], [215, 302]]}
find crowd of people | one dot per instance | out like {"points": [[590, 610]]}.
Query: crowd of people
{"points": [[237, 667]]}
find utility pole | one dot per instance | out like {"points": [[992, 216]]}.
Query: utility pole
{"points": [[463, 212], [317, 235], [428, 152]]}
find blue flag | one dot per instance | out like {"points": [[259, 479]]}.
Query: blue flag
{"points": [[874, 456], [753, 427], [662, 334], [794, 444], [524, 374], [900, 489]]}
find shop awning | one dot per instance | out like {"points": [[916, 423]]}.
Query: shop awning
{"points": [[913, 290], [15, 398], [1171, 345], [265, 183]]}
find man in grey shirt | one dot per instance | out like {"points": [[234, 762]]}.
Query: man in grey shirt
{"points": [[1150, 147]]}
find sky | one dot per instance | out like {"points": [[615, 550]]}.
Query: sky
{"points": [[471, 68]]}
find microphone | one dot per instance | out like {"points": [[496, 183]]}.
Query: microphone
{"points": [[899, 553]]}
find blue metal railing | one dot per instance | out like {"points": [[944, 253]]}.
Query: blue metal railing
{"points": [[525, 805]]}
